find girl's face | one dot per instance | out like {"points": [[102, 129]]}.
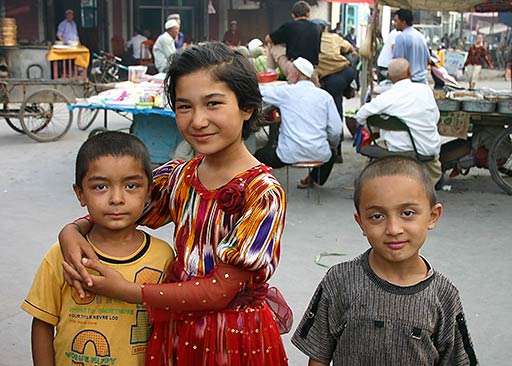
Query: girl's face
{"points": [[208, 115]]}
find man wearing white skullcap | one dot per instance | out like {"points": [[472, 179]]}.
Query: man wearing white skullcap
{"points": [[310, 124], [180, 39], [165, 46]]}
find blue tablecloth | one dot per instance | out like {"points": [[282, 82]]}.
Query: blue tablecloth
{"points": [[145, 111]]}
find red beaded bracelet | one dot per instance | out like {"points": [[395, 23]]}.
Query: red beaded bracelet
{"points": [[86, 217]]}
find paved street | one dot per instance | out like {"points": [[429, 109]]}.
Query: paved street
{"points": [[470, 244]]}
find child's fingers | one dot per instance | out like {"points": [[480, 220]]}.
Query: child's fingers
{"points": [[96, 265], [73, 279]]}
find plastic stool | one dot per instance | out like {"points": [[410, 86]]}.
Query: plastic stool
{"points": [[309, 165]]}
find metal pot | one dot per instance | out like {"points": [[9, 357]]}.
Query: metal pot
{"points": [[504, 106], [484, 106], [448, 105]]}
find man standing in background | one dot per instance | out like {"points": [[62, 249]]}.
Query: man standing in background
{"points": [[411, 45], [299, 38], [67, 30]]}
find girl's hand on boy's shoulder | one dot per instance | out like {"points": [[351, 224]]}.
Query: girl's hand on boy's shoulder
{"points": [[111, 283]]}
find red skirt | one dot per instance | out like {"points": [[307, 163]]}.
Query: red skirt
{"points": [[248, 336]]}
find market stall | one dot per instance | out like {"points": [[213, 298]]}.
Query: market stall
{"points": [[480, 119], [67, 59], [151, 119]]}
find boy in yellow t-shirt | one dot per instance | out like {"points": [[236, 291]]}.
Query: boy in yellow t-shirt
{"points": [[113, 176]]}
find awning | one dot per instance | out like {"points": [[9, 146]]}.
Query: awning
{"points": [[351, 1], [440, 5], [437, 5]]}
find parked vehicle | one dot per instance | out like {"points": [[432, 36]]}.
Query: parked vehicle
{"points": [[106, 68]]}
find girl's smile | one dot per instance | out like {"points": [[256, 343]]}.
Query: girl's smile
{"points": [[208, 115]]}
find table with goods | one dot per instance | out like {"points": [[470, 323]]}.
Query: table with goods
{"points": [[481, 122], [142, 101]]}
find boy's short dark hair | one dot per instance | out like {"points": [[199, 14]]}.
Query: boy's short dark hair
{"points": [[301, 9], [111, 143], [405, 15], [395, 165], [225, 65]]}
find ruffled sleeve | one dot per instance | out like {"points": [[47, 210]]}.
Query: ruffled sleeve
{"points": [[158, 210], [254, 241]]}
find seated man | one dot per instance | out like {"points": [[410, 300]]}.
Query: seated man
{"points": [[414, 103], [310, 128]]}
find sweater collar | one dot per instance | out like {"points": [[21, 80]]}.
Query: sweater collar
{"points": [[390, 287]]}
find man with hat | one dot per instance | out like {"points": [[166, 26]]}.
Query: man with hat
{"points": [[179, 41], [67, 30], [310, 124], [232, 35], [165, 46]]}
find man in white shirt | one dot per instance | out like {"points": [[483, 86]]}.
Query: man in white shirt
{"points": [[311, 125], [165, 45], [386, 55], [414, 103], [135, 44]]}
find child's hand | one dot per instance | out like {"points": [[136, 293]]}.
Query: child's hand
{"points": [[111, 283], [74, 246]]}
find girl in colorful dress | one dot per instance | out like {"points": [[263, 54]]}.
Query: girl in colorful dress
{"points": [[216, 307]]}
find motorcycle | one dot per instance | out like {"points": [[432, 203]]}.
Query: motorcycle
{"points": [[105, 68], [488, 147]]}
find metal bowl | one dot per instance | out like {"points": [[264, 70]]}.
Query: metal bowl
{"points": [[448, 105], [504, 106], [483, 106]]}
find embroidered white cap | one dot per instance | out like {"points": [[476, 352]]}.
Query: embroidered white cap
{"points": [[253, 44], [304, 66], [171, 24]]}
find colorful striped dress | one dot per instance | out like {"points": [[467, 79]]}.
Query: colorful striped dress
{"points": [[239, 224]]}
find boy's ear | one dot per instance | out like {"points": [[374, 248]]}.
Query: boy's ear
{"points": [[79, 195], [359, 222], [435, 214]]}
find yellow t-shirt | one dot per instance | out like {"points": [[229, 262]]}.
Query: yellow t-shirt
{"points": [[97, 330]]}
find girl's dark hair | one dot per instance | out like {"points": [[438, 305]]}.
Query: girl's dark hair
{"points": [[225, 65], [111, 143], [392, 166]]}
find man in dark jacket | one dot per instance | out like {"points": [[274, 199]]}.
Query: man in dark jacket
{"points": [[298, 38]]}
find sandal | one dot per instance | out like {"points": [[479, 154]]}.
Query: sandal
{"points": [[305, 183]]}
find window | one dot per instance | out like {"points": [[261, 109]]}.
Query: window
{"points": [[89, 13]]}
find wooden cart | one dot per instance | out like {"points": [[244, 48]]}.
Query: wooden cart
{"points": [[39, 108]]}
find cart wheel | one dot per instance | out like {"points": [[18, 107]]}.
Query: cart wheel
{"points": [[13, 122], [45, 116], [86, 117], [97, 131], [500, 160]]}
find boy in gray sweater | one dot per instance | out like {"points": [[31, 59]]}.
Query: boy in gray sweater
{"points": [[388, 306]]}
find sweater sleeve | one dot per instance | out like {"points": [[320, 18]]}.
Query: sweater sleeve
{"points": [[455, 345]]}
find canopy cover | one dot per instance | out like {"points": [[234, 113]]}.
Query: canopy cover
{"points": [[437, 5]]}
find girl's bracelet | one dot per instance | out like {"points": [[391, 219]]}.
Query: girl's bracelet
{"points": [[86, 217]]}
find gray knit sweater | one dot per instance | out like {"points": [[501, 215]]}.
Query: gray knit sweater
{"points": [[357, 318]]}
